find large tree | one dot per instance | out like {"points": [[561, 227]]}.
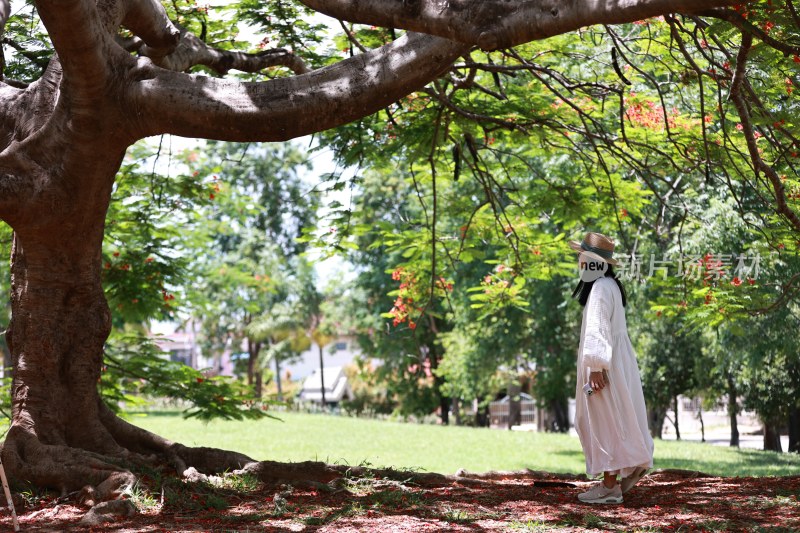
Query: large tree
{"points": [[64, 137]]}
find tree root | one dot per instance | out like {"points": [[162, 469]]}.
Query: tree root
{"points": [[100, 477], [526, 473]]}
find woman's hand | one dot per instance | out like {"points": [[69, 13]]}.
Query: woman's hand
{"points": [[597, 381]]}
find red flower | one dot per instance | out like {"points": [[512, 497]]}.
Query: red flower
{"points": [[200, 380], [736, 281], [412, 324], [796, 58], [116, 254]]}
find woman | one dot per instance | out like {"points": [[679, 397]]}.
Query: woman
{"points": [[610, 415]]}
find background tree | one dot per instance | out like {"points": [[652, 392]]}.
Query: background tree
{"points": [[258, 206]]}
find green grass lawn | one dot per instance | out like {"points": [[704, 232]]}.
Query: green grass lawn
{"points": [[301, 437]]}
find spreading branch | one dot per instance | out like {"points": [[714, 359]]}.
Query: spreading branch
{"points": [[148, 20], [745, 25], [80, 40], [191, 51], [494, 24], [285, 108]]}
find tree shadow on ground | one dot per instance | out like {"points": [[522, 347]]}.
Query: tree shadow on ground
{"points": [[665, 499]]}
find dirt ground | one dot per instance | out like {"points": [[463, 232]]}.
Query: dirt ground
{"points": [[522, 501]]}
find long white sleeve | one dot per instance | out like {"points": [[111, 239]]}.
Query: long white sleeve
{"points": [[598, 342]]}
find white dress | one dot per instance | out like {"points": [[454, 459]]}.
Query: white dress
{"points": [[611, 423]]}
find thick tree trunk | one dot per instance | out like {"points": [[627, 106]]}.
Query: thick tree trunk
{"points": [[60, 322], [733, 410], [253, 349], [62, 435], [514, 404], [656, 418], [772, 437], [444, 402], [794, 430], [560, 414], [258, 389]]}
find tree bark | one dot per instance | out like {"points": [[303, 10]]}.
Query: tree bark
{"points": [[733, 409], [278, 377], [656, 421], [322, 376], [253, 350], [493, 24], [702, 424], [794, 430], [675, 421], [259, 384], [514, 403], [560, 416], [772, 437]]}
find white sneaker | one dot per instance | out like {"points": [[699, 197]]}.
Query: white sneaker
{"points": [[600, 494], [627, 483]]}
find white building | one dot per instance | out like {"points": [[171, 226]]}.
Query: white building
{"points": [[337, 387], [339, 353]]}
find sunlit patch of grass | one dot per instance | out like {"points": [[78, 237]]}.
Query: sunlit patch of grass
{"points": [[349, 510], [143, 498], [395, 498], [592, 520], [766, 502], [239, 482], [714, 525], [531, 526], [457, 516], [344, 440]]}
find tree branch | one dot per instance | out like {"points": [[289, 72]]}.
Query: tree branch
{"points": [[285, 108], [493, 24], [191, 51], [5, 12], [745, 25], [747, 128], [80, 40], [148, 20]]}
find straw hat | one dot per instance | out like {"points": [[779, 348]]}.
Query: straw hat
{"points": [[597, 246]]}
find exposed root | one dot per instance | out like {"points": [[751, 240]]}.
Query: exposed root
{"points": [[275, 472], [526, 473], [63, 468], [681, 472], [102, 477]]}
